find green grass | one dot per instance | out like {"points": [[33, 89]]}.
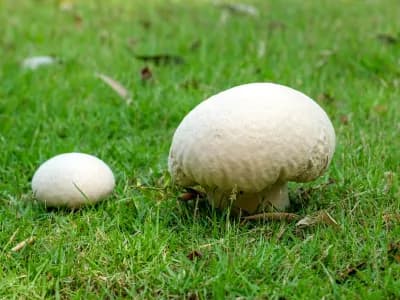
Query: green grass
{"points": [[135, 245]]}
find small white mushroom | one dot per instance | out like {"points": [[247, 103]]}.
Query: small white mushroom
{"points": [[251, 140], [72, 180]]}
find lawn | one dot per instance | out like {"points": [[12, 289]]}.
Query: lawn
{"points": [[143, 242]]}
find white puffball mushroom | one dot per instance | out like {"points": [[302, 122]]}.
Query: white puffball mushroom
{"points": [[72, 180], [244, 144]]}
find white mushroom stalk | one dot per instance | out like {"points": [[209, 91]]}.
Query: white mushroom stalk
{"points": [[244, 144]]}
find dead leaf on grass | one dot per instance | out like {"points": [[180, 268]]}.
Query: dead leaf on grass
{"points": [[23, 244], [319, 218], [161, 59], [194, 254], [273, 216], [193, 296], [116, 86], [78, 20], [146, 74], [344, 119], [394, 251], [350, 271], [387, 38], [391, 217]]}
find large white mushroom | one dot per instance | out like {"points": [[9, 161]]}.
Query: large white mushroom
{"points": [[244, 144], [72, 180]]}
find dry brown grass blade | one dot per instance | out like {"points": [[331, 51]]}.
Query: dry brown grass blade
{"points": [[23, 244], [273, 216], [116, 86]]}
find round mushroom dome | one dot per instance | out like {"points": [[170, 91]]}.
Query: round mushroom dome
{"points": [[252, 138], [72, 180]]}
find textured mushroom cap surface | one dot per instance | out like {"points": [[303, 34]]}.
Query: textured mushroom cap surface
{"points": [[250, 137], [72, 180]]}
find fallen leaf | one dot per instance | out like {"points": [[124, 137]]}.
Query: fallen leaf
{"points": [[23, 244], [146, 74], [391, 217], [390, 220], [344, 119], [387, 38], [350, 271], [116, 86], [241, 8], [194, 254], [78, 20], [394, 251], [273, 216], [193, 296], [146, 24], [35, 62], [161, 59], [319, 218]]}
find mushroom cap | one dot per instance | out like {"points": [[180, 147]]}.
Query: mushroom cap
{"points": [[250, 137], [72, 180]]}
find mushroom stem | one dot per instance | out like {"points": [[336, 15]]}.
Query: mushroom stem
{"points": [[272, 198]]}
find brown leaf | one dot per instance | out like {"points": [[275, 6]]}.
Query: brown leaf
{"points": [[350, 271], [319, 218], [389, 218], [194, 254], [394, 251], [387, 38], [344, 119], [78, 20], [273, 216], [116, 86], [161, 59], [193, 296], [146, 24], [23, 244], [146, 74]]}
